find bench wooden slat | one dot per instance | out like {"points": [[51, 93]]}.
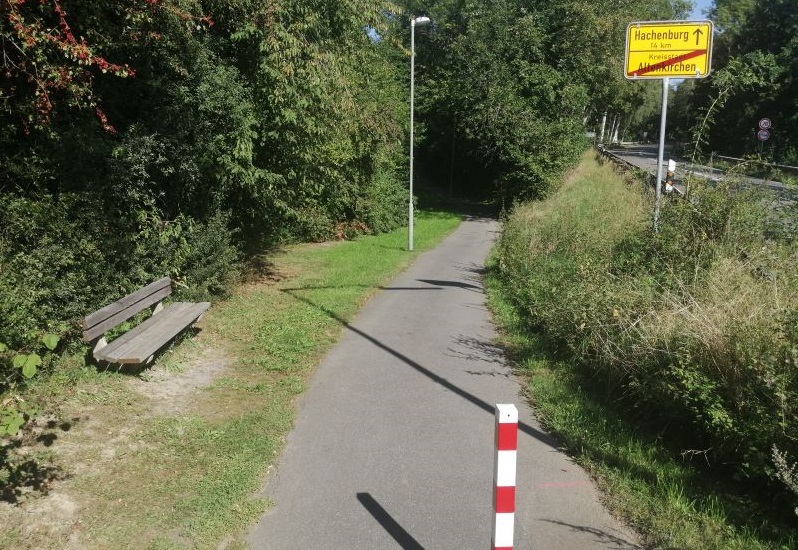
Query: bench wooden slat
{"points": [[128, 302], [123, 315], [141, 342]]}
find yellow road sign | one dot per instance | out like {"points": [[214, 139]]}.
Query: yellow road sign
{"points": [[680, 49]]}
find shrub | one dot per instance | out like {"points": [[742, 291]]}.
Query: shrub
{"points": [[210, 264], [383, 204], [53, 259], [64, 258]]}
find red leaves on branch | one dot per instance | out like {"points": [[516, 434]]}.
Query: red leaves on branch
{"points": [[42, 56], [104, 121], [44, 64]]}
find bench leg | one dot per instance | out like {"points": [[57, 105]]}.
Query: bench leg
{"points": [[101, 343]]}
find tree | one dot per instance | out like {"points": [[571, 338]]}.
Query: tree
{"points": [[234, 122], [758, 43], [507, 87]]}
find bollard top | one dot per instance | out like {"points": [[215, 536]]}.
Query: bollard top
{"points": [[506, 414]]}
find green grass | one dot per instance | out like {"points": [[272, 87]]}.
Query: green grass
{"points": [[190, 479]]}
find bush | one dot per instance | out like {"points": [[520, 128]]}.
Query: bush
{"points": [[210, 264], [64, 258], [54, 259], [383, 204]]}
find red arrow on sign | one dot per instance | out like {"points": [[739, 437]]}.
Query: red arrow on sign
{"points": [[667, 62]]}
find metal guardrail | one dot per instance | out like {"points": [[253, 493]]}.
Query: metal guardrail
{"points": [[626, 165], [762, 162], [616, 159]]}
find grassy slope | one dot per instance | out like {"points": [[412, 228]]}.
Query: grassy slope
{"points": [[187, 477], [667, 499]]}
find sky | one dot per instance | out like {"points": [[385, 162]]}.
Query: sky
{"points": [[700, 7]]}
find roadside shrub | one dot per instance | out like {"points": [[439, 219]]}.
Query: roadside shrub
{"points": [[556, 254], [383, 203], [695, 328], [62, 258]]}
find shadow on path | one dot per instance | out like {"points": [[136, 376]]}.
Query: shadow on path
{"points": [[529, 430], [455, 284], [405, 539]]}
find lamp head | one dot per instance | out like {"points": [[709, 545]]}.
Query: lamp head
{"points": [[422, 20]]}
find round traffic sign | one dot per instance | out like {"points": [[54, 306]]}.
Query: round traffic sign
{"points": [[765, 124], [763, 135]]}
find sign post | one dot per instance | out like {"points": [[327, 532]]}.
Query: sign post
{"points": [[662, 50], [763, 134], [661, 152]]}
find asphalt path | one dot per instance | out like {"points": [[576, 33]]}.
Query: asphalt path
{"points": [[393, 441]]}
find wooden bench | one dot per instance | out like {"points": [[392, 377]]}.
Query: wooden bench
{"points": [[139, 345]]}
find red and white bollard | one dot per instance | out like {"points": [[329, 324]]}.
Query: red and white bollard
{"points": [[504, 477]]}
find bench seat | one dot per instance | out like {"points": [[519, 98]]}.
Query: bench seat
{"points": [[138, 345]]}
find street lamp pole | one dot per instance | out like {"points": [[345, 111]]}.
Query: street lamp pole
{"points": [[413, 22]]}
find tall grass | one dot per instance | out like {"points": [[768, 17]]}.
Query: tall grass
{"points": [[692, 332]]}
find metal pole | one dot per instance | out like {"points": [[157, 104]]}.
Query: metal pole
{"points": [[412, 92], [661, 155]]}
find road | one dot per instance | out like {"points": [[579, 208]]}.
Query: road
{"points": [[393, 441], [645, 156]]}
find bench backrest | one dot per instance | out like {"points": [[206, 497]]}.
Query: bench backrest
{"points": [[97, 323]]}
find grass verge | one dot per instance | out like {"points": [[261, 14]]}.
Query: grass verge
{"points": [[174, 458]]}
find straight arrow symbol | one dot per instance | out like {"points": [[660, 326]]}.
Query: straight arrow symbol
{"points": [[697, 33]]}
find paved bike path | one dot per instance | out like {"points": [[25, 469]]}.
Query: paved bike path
{"points": [[393, 441]]}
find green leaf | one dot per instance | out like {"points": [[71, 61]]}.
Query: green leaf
{"points": [[3, 347], [28, 364], [11, 423], [51, 341]]}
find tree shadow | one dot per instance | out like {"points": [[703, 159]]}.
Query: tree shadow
{"points": [[434, 199], [476, 349], [453, 284], [602, 537], [475, 273], [22, 473]]}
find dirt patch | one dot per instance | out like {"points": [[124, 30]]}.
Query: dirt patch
{"points": [[58, 508], [170, 392]]}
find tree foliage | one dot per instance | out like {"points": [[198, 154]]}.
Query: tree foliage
{"points": [[134, 134], [507, 87], [754, 59], [151, 137]]}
